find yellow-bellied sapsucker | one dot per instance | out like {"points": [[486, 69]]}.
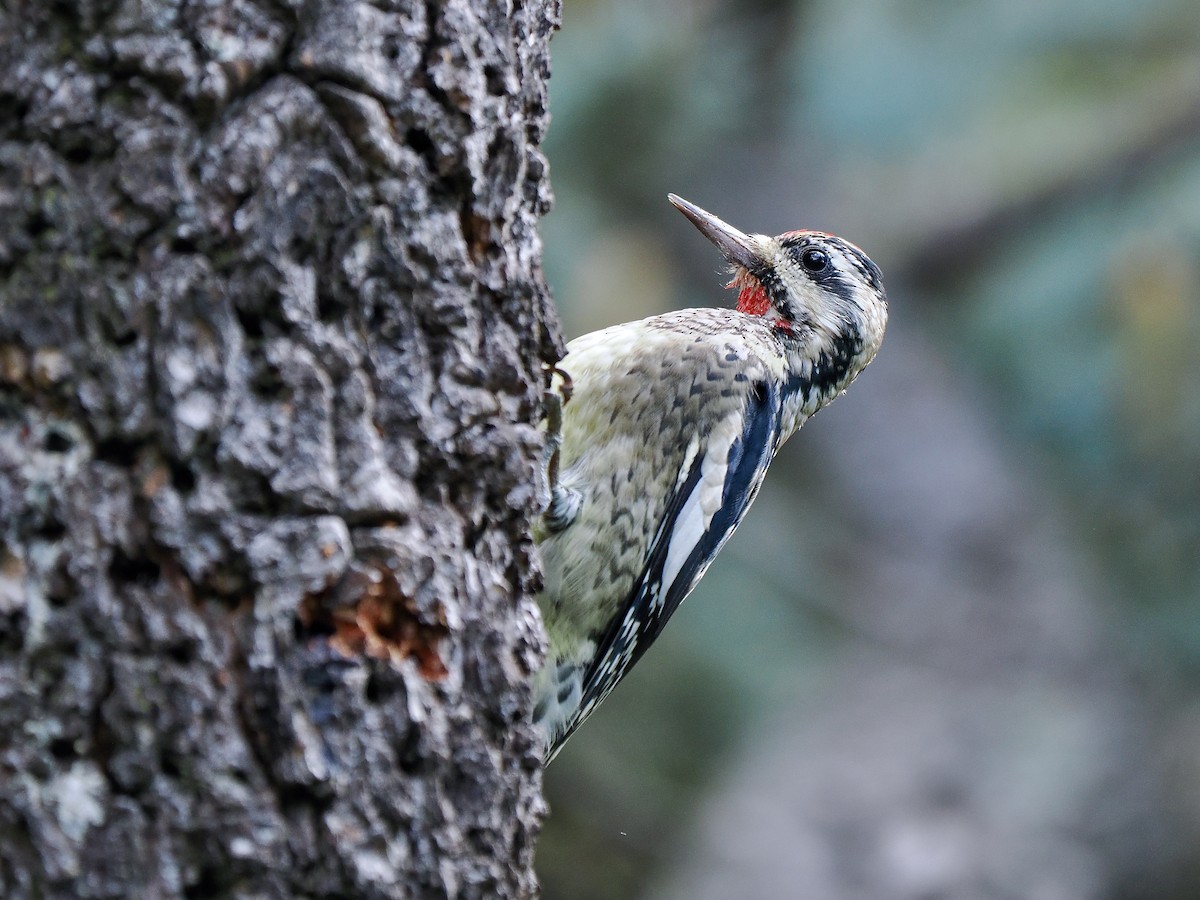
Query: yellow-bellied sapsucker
{"points": [[665, 438]]}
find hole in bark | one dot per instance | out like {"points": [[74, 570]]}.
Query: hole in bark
{"points": [[12, 109], [305, 627], [300, 245], [12, 634], [182, 652], [183, 479], [133, 569], [293, 798], [57, 442], [79, 153], [380, 688], [117, 451], [495, 80], [268, 383], [251, 322], [409, 757], [38, 224], [51, 528], [421, 142], [326, 306], [63, 748], [167, 764], [374, 692], [183, 245]]}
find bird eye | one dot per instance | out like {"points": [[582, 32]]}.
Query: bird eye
{"points": [[814, 260]]}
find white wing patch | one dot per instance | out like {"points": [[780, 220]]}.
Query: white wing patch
{"points": [[697, 512], [688, 459]]}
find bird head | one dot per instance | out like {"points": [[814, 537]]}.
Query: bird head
{"points": [[819, 292]]}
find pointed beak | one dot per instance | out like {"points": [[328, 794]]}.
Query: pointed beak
{"points": [[740, 249]]}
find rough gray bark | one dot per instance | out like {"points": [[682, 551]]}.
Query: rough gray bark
{"points": [[271, 326]]}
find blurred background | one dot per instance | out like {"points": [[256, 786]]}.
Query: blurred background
{"points": [[954, 651]]}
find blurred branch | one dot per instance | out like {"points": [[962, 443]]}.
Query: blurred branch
{"points": [[958, 245]]}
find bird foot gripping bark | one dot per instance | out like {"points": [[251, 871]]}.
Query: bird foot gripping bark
{"points": [[562, 503]]}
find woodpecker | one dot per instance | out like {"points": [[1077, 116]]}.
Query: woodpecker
{"points": [[659, 437]]}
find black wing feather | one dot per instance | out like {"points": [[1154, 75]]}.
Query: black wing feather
{"points": [[630, 635]]}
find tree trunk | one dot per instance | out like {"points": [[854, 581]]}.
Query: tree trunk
{"points": [[271, 325]]}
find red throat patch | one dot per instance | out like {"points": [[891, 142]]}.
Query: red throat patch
{"points": [[752, 296]]}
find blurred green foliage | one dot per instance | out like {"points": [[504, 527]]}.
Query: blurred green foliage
{"points": [[1027, 175]]}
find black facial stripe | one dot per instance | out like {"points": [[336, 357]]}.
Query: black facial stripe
{"points": [[836, 283], [794, 245], [865, 265], [773, 284]]}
